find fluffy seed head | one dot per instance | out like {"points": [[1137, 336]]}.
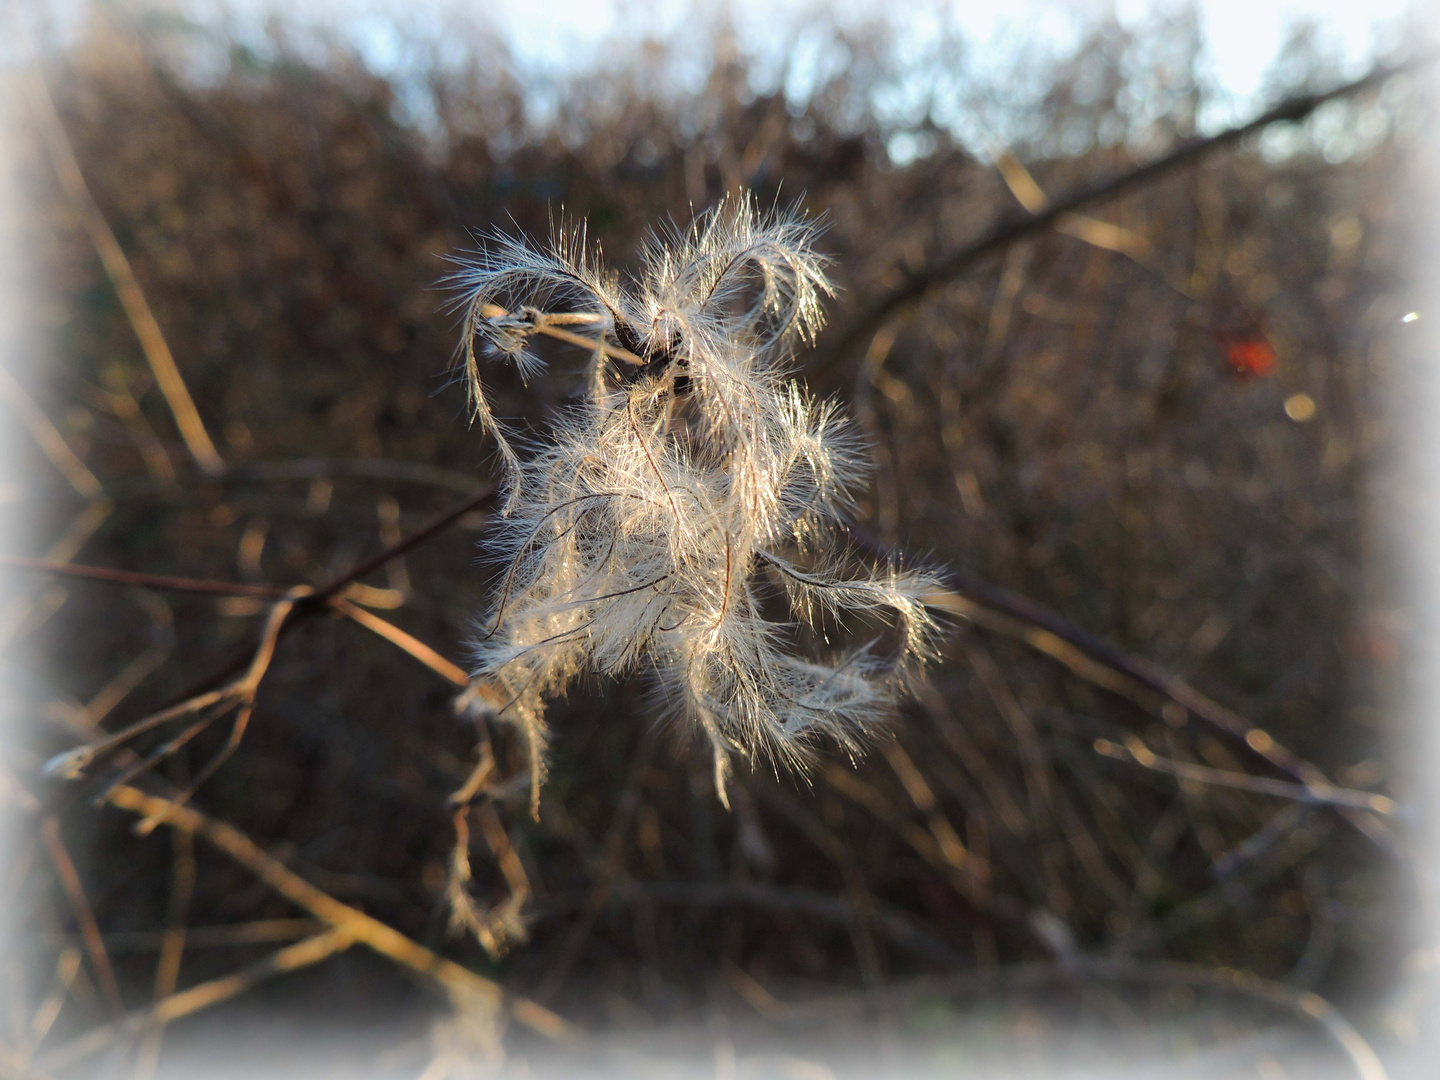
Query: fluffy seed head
{"points": [[691, 492]]}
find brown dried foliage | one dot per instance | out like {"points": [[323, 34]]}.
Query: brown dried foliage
{"points": [[1060, 420]]}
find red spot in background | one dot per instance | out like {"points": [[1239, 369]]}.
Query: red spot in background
{"points": [[1250, 357], [1246, 348]]}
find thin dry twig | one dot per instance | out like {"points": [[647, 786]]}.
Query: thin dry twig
{"points": [[67, 966], [967, 873], [459, 982], [387, 509], [78, 533], [1093, 231], [408, 643], [127, 287], [172, 949], [218, 935], [121, 402], [1321, 795], [916, 786], [203, 996], [1132, 677], [238, 695], [50, 441], [80, 904], [498, 841], [499, 926]]}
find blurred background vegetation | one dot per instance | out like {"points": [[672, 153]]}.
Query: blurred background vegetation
{"points": [[1161, 419]]}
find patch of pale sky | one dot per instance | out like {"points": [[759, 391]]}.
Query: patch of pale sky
{"points": [[562, 36], [1243, 36], [556, 38]]}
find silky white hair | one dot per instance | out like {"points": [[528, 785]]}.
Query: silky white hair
{"points": [[691, 485]]}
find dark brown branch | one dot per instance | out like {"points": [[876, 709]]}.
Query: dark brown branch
{"points": [[319, 600], [227, 588], [426, 532], [1134, 668], [147, 581], [408, 472], [1114, 669], [1016, 227]]}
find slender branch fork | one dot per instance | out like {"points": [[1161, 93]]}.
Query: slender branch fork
{"points": [[466, 989], [320, 599], [291, 605]]}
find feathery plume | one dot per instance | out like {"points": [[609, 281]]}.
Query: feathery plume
{"points": [[691, 487]]}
